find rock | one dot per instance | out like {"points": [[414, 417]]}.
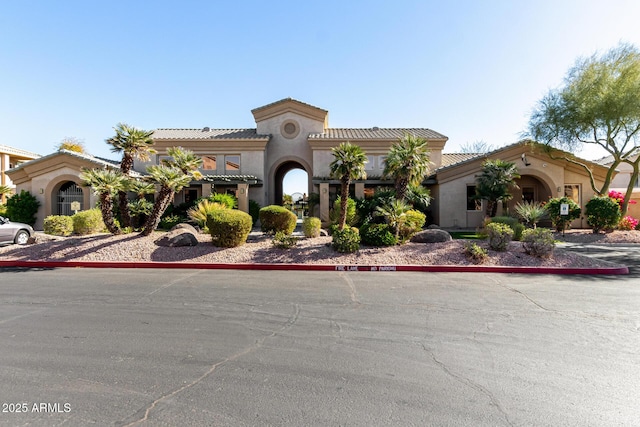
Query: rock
{"points": [[32, 240], [185, 226], [178, 237], [431, 236], [323, 232], [434, 227]]}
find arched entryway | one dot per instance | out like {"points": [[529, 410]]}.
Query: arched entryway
{"points": [[530, 189], [281, 173]]}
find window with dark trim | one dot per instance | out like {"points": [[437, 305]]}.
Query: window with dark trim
{"points": [[473, 204]]}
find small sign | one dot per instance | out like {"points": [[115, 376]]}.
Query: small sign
{"points": [[564, 209], [75, 206]]}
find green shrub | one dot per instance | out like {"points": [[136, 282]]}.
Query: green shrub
{"points": [[477, 253], [3, 210], [346, 240], [276, 218], [228, 200], [284, 241], [229, 227], [377, 235], [23, 207], [499, 236], [352, 213], [413, 222], [254, 211], [88, 222], [511, 222], [603, 213], [538, 242], [561, 222], [169, 221], [58, 225], [311, 226]]}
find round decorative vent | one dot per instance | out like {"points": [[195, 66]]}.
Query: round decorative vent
{"points": [[290, 129]]}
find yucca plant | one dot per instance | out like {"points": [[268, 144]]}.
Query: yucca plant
{"points": [[531, 212], [202, 210]]}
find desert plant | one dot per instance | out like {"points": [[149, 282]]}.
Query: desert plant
{"points": [[603, 213], [23, 207], [346, 240], [538, 242], [58, 225], [377, 235], [495, 182], [477, 253], [199, 212], [531, 212], [284, 241], [394, 214], [351, 218], [228, 200], [169, 221], [561, 222], [311, 226], [88, 222], [628, 223], [511, 222], [229, 227], [407, 163], [499, 236], [348, 164], [140, 210], [413, 223], [276, 218]]}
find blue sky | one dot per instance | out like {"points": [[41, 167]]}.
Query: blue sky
{"points": [[472, 70]]}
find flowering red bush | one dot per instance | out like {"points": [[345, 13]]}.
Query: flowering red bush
{"points": [[619, 197], [628, 223]]}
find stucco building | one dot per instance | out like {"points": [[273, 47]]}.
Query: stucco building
{"points": [[289, 134], [11, 157]]}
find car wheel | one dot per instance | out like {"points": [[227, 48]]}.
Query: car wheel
{"points": [[22, 237]]}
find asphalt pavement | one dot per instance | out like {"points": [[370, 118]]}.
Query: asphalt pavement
{"points": [[225, 347]]}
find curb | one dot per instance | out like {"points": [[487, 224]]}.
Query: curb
{"points": [[318, 267]]}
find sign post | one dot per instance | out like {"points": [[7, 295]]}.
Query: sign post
{"points": [[564, 211], [75, 207]]}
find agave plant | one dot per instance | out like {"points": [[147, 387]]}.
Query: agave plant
{"points": [[202, 210], [531, 212]]}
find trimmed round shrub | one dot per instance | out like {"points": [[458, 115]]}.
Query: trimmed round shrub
{"points": [[561, 222], [276, 218], [228, 200], [311, 226], [58, 225], [538, 242], [499, 236], [377, 235], [413, 222], [88, 222], [229, 227], [346, 240], [603, 213], [515, 225]]}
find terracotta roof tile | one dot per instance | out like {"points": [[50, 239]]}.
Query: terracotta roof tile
{"points": [[375, 133], [207, 133]]}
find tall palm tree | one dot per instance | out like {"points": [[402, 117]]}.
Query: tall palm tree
{"points": [[407, 163], [133, 144], [172, 176], [105, 183], [495, 182], [348, 164]]}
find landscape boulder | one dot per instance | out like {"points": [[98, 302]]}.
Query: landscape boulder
{"points": [[431, 236], [178, 237], [185, 226]]}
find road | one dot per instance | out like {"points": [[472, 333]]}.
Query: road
{"points": [[204, 347]]}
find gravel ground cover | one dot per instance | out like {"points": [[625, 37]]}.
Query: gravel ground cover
{"points": [[259, 249]]}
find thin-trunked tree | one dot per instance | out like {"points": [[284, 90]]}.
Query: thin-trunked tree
{"points": [[348, 164], [105, 183], [407, 163]]}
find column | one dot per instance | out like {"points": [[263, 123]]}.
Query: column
{"points": [[243, 197], [324, 202]]}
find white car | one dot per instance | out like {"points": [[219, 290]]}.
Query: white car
{"points": [[14, 232]]}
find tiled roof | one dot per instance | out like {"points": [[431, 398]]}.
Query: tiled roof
{"points": [[231, 178], [17, 151], [207, 133], [287, 100], [375, 133], [450, 159]]}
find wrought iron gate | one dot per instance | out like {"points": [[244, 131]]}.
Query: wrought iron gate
{"points": [[68, 193]]}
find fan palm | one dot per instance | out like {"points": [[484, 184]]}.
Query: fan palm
{"points": [[105, 183], [171, 180], [395, 214], [495, 183], [407, 163], [348, 164], [132, 143], [4, 190]]}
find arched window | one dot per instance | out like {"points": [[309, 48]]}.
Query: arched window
{"points": [[69, 192]]}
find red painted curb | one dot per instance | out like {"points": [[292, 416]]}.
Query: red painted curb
{"points": [[317, 267]]}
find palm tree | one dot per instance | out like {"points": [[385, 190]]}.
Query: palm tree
{"points": [[495, 182], [172, 176], [133, 144], [407, 163], [4, 190], [105, 183], [395, 214], [71, 144], [348, 164]]}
